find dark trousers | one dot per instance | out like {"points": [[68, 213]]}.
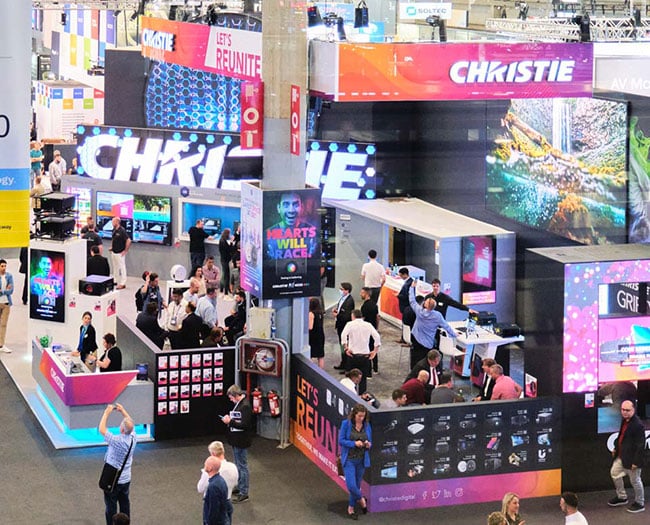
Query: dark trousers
{"points": [[362, 362], [418, 351], [196, 260], [374, 294], [111, 499]]}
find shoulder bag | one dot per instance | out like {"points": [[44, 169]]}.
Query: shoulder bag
{"points": [[111, 475]]}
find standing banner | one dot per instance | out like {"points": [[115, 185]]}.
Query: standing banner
{"points": [[15, 45], [250, 272], [252, 115], [292, 243], [294, 139]]}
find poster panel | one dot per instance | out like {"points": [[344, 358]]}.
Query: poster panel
{"points": [[292, 244], [47, 285], [250, 273]]}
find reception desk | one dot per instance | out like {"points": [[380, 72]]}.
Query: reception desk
{"points": [[388, 303], [480, 342], [77, 397]]}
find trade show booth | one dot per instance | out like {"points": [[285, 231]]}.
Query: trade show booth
{"points": [[474, 261], [430, 456]]}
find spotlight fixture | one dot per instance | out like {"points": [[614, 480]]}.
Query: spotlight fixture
{"points": [[331, 21], [583, 23], [435, 21], [523, 10]]}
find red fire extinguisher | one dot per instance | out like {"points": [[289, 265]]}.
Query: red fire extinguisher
{"points": [[274, 403], [257, 401]]}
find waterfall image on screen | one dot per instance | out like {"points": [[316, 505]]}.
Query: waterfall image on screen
{"points": [[560, 165]]}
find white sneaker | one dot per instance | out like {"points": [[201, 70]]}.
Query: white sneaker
{"points": [[5, 349]]}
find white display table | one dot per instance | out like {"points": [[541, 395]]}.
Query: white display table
{"points": [[461, 350]]}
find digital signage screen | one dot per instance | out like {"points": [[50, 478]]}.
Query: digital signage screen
{"points": [[560, 165], [146, 219], [47, 285], [478, 256], [215, 217]]}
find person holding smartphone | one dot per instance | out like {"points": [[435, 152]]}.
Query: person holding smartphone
{"points": [[240, 425], [355, 440]]}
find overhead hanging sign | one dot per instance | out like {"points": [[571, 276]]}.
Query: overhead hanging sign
{"points": [[423, 10], [452, 71], [234, 53]]}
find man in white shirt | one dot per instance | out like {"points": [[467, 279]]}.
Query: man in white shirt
{"points": [[228, 472], [56, 170], [176, 311], [373, 275], [569, 505], [355, 338]]}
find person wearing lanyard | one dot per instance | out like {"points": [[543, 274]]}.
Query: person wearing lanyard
{"points": [[175, 314], [240, 424], [355, 338], [6, 289], [87, 337]]}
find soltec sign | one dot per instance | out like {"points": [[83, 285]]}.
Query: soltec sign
{"points": [[177, 158], [423, 10]]}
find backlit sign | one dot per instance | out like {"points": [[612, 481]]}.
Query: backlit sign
{"points": [[177, 158]]}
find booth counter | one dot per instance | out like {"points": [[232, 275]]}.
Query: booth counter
{"points": [[470, 345], [388, 303], [78, 397]]}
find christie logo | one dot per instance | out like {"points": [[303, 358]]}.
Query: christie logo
{"points": [[483, 72], [611, 440], [158, 40], [343, 171], [57, 380], [204, 160]]}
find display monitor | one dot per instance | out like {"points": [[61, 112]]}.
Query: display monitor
{"points": [[47, 285], [83, 206], [478, 259], [216, 217], [147, 219], [560, 165]]}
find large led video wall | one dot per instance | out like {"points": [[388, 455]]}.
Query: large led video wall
{"points": [[606, 324], [560, 165]]}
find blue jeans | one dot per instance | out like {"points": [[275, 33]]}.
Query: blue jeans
{"points": [[241, 460], [111, 499], [353, 471], [229, 510]]}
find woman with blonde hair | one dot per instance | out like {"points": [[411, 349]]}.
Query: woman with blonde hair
{"points": [[510, 509]]}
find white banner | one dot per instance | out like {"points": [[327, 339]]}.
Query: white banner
{"points": [[423, 10]]}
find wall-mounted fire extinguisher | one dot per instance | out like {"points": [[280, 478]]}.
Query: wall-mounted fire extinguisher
{"points": [[274, 403], [257, 401]]}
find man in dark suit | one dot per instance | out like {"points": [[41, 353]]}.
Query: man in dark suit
{"points": [[240, 426], [488, 383], [97, 264], [87, 337], [431, 364], [343, 315], [189, 336], [147, 323], [628, 454]]}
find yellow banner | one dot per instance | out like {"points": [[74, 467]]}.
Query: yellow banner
{"points": [[14, 218]]}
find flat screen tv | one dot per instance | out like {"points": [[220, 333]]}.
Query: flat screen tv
{"points": [[147, 219], [47, 285], [560, 165], [478, 260]]}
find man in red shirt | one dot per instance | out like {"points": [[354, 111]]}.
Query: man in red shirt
{"points": [[414, 388], [504, 387]]}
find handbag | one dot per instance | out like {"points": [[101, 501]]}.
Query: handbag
{"points": [[339, 466], [361, 14], [110, 475]]}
